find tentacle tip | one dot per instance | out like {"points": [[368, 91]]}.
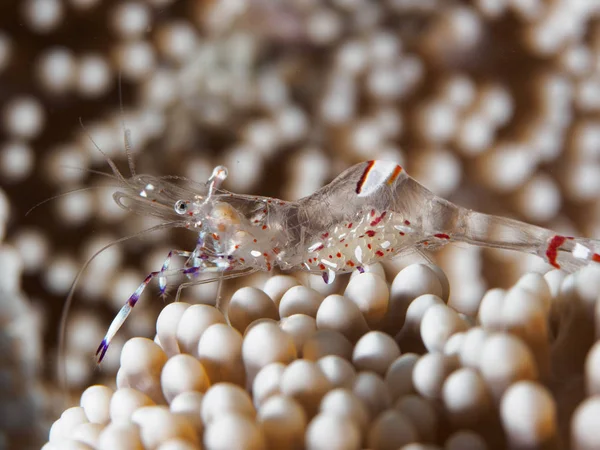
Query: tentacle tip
{"points": [[101, 351]]}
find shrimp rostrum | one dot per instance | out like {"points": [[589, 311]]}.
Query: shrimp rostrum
{"points": [[372, 212]]}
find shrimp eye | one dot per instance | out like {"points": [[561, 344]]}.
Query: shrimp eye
{"points": [[181, 207]]}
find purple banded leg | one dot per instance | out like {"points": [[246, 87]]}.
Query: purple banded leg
{"points": [[126, 310], [328, 276], [162, 280], [121, 316]]}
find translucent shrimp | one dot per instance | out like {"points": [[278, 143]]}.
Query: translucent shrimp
{"points": [[372, 212]]}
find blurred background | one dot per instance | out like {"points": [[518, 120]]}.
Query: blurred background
{"points": [[492, 104]]}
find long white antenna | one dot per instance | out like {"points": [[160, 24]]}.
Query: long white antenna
{"points": [[126, 132]]}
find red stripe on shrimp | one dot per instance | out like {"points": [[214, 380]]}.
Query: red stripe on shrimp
{"points": [[394, 175], [364, 176], [552, 250]]}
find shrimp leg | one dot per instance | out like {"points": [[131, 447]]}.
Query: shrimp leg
{"points": [[230, 275], [133, 299], [162, 280]]}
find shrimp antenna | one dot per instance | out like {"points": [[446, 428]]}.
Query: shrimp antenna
{"points": [[62, 368], [110, 162], [62, 194], [85, 169], [126, 131]]}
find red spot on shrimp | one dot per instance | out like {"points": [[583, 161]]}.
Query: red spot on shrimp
{"points": [[372, 213], [364, 176], [215, 236], [402, 233], [442, 236], [338, 254], [394, 176], [264, 211], [406, 222], [325, 235], [426, 243], [552, 250], [276, 250], [255, 241], [320, 247], [330, 257], [322, 266], [596, 257], [379, 253], [264, 227], [350, 263], [376, 221], [350, 225], [370, 233], [369, 245]]}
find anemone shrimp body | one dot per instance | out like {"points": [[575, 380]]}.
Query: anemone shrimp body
{"points": [[371, 212], [354, 221]]}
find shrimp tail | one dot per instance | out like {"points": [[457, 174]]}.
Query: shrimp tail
{"points": [[562, 252], [447, 222]]}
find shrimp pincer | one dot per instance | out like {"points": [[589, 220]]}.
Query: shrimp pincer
{"points": [[372, 212]]}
